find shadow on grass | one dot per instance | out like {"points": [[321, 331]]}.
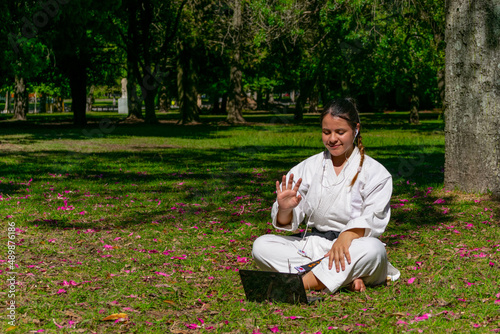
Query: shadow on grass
{"points": [[246, 170], [43, 127]]}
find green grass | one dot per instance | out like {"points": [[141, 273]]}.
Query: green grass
{"points": [[155, 220]]}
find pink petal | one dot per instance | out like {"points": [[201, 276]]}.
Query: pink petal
{"points": [[411, 280]]}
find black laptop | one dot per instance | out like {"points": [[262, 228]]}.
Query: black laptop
{"points": [[262, 286]]}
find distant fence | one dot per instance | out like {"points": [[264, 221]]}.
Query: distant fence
{"points": [[105, 108]]}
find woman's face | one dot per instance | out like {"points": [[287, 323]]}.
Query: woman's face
{"points": [[338, 136]]}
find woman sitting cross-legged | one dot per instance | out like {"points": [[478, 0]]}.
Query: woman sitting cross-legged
{"points": [[344, 197]]}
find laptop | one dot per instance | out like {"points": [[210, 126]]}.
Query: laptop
{"points": [[262, 286]]}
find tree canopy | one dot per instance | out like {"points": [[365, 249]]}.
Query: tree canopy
{"points": [[388, 54]]}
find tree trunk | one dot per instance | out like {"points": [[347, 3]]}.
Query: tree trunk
{"points": [[235, 94], [21, 101], [149, 102], [300, 105], [7, 99], [235, 97], [472, 155], [305, 93], [149, 85], [270, 98], [90, 98], [78, 85], [186, 84], [164, 105], [133, 102], [414, 102]]}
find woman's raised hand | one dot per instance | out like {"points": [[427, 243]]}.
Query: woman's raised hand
{"points": [[287, 194]]}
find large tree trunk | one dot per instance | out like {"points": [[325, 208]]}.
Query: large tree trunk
{"points": [[186, 84], [236, 97], [21, 101], [472, 159], [235, 94], [78, 85]]}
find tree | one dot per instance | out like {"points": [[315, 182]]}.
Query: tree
{"points": [[26, 57], [148, 30], [75, 35], [284, 56], [187, 81], [235, 93], [472, 155]]}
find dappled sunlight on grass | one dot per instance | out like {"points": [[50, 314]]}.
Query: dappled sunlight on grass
{"points": [[154, 222]]}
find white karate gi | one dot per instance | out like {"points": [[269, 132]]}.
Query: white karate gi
{"points": [[329, 203]]}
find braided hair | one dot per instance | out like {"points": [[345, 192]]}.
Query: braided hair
{"points": [[346, 109]]}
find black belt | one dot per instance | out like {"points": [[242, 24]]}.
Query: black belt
{"points": [[330, 235]]}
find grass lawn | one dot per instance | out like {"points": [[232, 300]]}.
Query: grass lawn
{"points": [[148, 225]]}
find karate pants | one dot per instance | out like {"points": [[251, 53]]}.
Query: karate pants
{"points": [[368, 259]]}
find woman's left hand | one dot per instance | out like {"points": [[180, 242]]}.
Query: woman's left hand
{"points": [[340, 249]]}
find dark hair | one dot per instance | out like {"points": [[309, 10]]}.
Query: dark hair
{"points": [[346, 109], [343, 108]]}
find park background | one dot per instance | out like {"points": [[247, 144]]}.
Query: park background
{"points": [[139, 222]]}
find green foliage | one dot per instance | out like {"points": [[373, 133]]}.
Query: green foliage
{"points": [[369, 49]]}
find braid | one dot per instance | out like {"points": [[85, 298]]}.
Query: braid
{"points": [[362, 152]]}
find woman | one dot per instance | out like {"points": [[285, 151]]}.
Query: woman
{"points": [[343, 195]]}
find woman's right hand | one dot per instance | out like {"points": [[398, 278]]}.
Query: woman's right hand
{"points": [[287, 194]]}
